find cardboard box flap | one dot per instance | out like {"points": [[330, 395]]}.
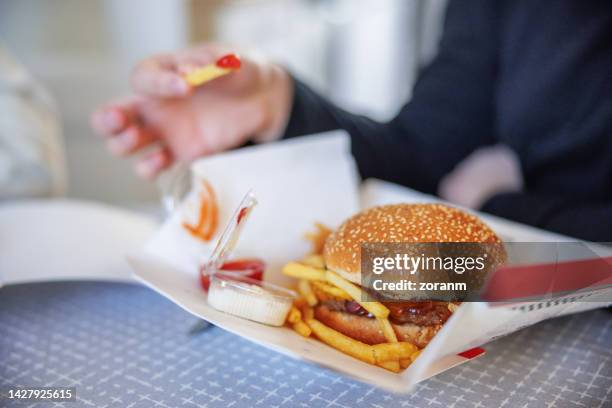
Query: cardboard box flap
{"points": [[319, 184]]}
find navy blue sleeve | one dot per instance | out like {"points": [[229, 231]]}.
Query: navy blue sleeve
{"points": [[451, 112], [592, 222]]}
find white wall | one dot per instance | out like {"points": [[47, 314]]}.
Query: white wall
{"points": [[360, 53]]}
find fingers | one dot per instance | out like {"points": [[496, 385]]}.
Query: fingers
{"points": [[130, 140], [114, 118], [136, 138], [159, 77], [162, 76], [107, 121], [188, 63], [153, 162]]}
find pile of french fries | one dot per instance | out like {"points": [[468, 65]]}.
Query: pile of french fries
{"points": [[315, 283]]}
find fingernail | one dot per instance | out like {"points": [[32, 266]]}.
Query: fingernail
{"points": [[143, 169], [112, 119], [148, 166], [122, 142], [154, 160], [179, 86]]}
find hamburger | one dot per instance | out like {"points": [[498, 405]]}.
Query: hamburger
{"points": [[415, 321]]}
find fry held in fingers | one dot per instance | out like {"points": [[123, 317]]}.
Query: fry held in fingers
{"points": [[223, 66]]}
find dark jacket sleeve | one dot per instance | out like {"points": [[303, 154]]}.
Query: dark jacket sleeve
{"points": [[450, 114], [591, 222]]}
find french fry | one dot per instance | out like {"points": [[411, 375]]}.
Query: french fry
{"points": [[393, 351], [405, 363], [205, 74], [376, 308], [318, 237], [306, 291], [302, 328], [223, 66], [343, 284], [330, 290], [341, 342], [391, 366], [314, 260], [393, 355], [300, 303], [297, 270], [387, 330], [308, 313], [453, 307], [294, 315]]}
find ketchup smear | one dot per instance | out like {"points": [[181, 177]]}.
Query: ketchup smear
{"points": [[230, 61], [241, 214], [252, 268]]}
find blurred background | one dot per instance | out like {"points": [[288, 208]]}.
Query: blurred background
{"points": [[362, 54]]}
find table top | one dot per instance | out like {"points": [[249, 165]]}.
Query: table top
{"points": [[123, 345]]}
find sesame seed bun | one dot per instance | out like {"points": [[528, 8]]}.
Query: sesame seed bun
{"points": [[402, 223]]}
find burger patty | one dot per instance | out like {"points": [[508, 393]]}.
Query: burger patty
{"points": [[421, 313], [368, 330]]}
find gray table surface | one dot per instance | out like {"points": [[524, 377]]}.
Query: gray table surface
{"points": [[125, 346]]}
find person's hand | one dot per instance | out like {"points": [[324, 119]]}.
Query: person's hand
{"points": [[484, 173], [167, 120]]}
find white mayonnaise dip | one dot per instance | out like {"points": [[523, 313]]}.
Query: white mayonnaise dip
{"points": [[249, 301]]}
